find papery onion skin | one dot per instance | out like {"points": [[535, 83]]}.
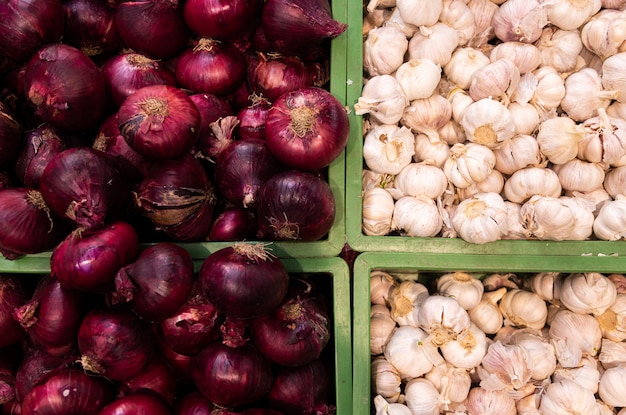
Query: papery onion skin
{"points": [[14, 292], [85, 186], [10, 136], [65, 87], [159, 121], [69, 391], [307, 128], [233, 224], [158, 377], [271, 76], [87, 260], [221, 19], [295, 205], [90, 27], [34, 368], [42, 145]]}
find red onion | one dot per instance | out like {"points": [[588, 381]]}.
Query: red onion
{"points": [[181, 364], [126, 73], [159, 121], [211, 108], [27, 25], [232, 372], [295, 205], [114, 343], [215, 115], [65, 87], [139, 403], [294, 27], [239, 98], [272, 75], [42, 145], [157, 283], [87, 260], [252, 118], [10, 136], [193, 403], [233, 224], [307, 128], [249, 411], [158, 377], [244, 280], [69, 391], [221, 19], [152, 27], [90, 27], [242, 168], [34, 368], [29, 225], [212, 143], [85, 186], [212, 67], [14, 292], [178, 197]]}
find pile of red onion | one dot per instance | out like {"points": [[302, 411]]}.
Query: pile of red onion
{"points": [[170, 116]]}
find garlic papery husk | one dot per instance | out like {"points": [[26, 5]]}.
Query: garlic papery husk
{"points": [[515, 227], [559, 48], [614, 4], [405, 300], [466, 351], [374, 19], [462, 65], [458, 16], [573, 336], [431, 153], [529, 405], [453, 383], [378, 205], [612, 353], [443, 319], [519, 21], [427, 115], [386, 379], [580, 175], [417, 216], [420, 12], [620, 282], [395, 20], [504, 367], [419, 78], [531, 181], [611, 388], [525, 90], [613, 77], [525, 56], [568, 397], [381, 328], [613, 320], [488, 122], [371, 179], [422, 397], [521, 308], [380, 4], [383, 50], [604, 33], [484, 401], [571, 14], [387, 149], [610, 223], [546, 285], [539, 352], [584, 95], [410, 352], [497, 80], [385, 408], [558, 139], [421, 179], [483, 11], [486, 315], [383, 99], [604, 139], [469, 163], [498, 280], [381, 284], [435, 42], [586, 375], [521, 151], [550, 88], [595, 198], [494, 183], [615, 181], [451, 133], [463, 286], [557, 218], [481, 218], [588, 293]]}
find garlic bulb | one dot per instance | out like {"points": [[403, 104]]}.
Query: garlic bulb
{"points": [[417, 216], [531, 181], [604, 139], [443, 319], [370, 179], [611, 388], [493, 183], [550, 88], [464, 287], [409, 352], [586, 375], [386, 379], [604, 33], [395, 20], [515, 227], [427, 115], [405, 301], [463, 62], [453, 383], [375, 18], [451, 133], [547, 285], [383, 50], [613, 320], [568, 397], [383, 99], [431, 153], [484, 401], [381, 284], [520, 151], [525, 117], [558, 139], [385, 408], [587, 293], [539, 352], [579, 175], [521, 308], [519, 20], [559, 48], [422, 397], [378, 205], [486, 315], [381, 328], [469, 163], [420, 12], [457, 15], [419, 78], [574, 336], [594, 198], [488, 122], [615, 181], [612, 353], [571, 14], [467, 351], [420, 179], [387, 149], [483, 11], [557, 218], [525, 56], [504, 367], [613, 77], [481, 218], [435, 42], [497, 80], [610, 223], [584, 95]]}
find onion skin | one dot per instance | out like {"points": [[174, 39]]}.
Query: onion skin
{"points": [[42, 145], [14, 293], [158, 377], [90, 27], [10, 136], [307, 128], [252, 118], [34, 368], [87, 260], [233, 224], [140, 403], [65, 87], [221, 19], [159, 121], [295, 205], [271, 76], [193, 403]]}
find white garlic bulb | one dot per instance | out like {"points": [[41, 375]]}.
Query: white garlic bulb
{"points": [[420, 12], [386, 379], [613, 319], [559, 48], [525, 56], [574, 336], [469, 163], [604, 139], [387, 149], [383, 99], [532, 181], [519, 20], [378, 205], [612, 353], [435, 42], [492, 184], [557, 218], [409, 352], [539, 352], [587, 293], [488, 122], [604, 33], [422, 397], [486, 315], [421, 179], [417, 216], [381, 328], [481, 218], [485, 401], [580, 175], [497, 80], [463, 62], [427, 115], [459, 101], [504, 367], [381, 284], [611, 388], [453, 383], [385, 408], [567, 396], [613, 77], [418, 77], [383, 50], [457, 15], [550, 88], [466, 351], [443, 319], [546, 285], [405, 301], [483, 11], [571, 14], [467, 289], [521, 151], [451, 133], [610, 223], [558, 139], [584, 94], [586, 375], [525, 117], [615, 181], [515, 227], [433, 153], [395, 19], [521, 308]]}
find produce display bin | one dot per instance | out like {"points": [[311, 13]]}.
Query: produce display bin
{"points": [[410, 263], [354, 167]]}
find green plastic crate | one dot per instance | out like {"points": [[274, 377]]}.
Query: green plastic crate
{"points": [[354, 207], [404, 262]]}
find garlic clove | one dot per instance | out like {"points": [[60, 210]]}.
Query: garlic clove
{"points": [[612, 353]]}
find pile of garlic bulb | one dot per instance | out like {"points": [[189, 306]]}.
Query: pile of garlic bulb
{"points": [[540, 344], [491, 119]]}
